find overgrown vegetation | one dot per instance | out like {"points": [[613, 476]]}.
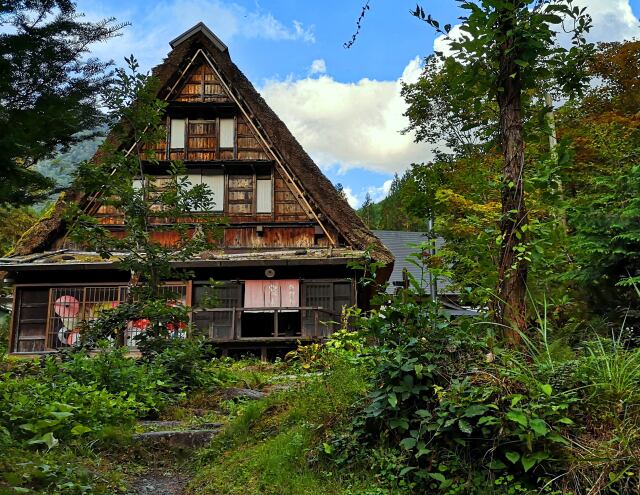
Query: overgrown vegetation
{"points": [[66, 421]]}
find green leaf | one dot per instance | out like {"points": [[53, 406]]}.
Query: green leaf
{"points": [[48, 439], [418, 369], [408, 443], [392, 399], [565, 421], [60, 414], [497, 465], [518, 417], [80, 429], [539, 427], [399, 423], [465, 426], [513, 456], [406, 470], [557, 438], [528, 462], [438, 477], [475, 410], [547, 389]]}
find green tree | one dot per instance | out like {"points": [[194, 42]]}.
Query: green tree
{"points": [[151, 208], [510, 51], [49, 91]]}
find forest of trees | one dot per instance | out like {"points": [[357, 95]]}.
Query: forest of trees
{"points": [[583, 238]]}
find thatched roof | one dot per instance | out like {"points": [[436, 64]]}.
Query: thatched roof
{"points": [[323, 196]]}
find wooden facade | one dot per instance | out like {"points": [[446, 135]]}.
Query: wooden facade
{"points": [[283, 261]]}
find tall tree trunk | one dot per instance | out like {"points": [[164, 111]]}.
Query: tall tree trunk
{"points": [[512, 269]]}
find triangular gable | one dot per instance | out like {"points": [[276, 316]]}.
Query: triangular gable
{"points": [[200, 84], [306, 183]]}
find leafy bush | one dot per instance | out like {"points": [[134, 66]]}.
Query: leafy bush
{"points": [[40, 412], [444, 415], [112, 370]]}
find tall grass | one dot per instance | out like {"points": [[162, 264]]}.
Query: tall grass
{"points": [[269, 447], [613, 371]]}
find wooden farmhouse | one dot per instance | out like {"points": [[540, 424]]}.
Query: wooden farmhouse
{"points": [[285, 263]]}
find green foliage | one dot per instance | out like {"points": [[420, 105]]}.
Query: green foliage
{"points": [[449, 412], [49, 89]]}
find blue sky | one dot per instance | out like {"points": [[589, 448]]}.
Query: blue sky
{"points": [[343, 105]]}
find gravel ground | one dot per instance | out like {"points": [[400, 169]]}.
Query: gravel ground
{"points": [[158, 483]]}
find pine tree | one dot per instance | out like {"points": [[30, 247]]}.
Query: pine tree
{"points": [[49, 90]]}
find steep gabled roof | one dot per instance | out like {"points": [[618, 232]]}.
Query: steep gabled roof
{"points": [[199, 28], [320, 192]]}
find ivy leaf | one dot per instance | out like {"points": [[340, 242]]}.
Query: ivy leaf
{"points": [[408, 443], [392, 399], [513, 457], [518, 417], [465, 426]]}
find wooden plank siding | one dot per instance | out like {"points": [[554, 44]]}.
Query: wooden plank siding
{"points": [[201, 85]]}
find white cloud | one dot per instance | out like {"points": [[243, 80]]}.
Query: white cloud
{"points": [[613, 20], [352, 199], [152, 29], [318, 66], [350, 124]]}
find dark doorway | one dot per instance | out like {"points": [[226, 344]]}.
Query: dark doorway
{"points": [[257, 325], [289, 324]]}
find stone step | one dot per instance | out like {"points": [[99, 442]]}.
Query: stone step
{"points": [[166, 425], [189, 439]]}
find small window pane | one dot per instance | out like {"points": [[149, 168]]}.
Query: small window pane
{"points": [[216, 184], [263, 193], [177, 133], [227, 133]]}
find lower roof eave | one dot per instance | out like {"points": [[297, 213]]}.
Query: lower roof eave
{"points": [[20, 267]]}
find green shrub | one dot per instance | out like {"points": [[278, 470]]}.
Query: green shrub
{"points": [[111, 369], [43, 413]]}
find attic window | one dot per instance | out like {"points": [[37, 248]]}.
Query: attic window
{"points": [[263, 195], [227, 133], [177, 133]]}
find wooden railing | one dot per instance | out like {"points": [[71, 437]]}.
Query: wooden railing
{"points": [[315, 321]]}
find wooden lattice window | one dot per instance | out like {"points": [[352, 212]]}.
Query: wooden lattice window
{"points": [[71, 307], [223, 298], [331, 295]]}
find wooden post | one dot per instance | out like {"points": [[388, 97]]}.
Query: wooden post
{"points": [[233, 324], [275, 322]]}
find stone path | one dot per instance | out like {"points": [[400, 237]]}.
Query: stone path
{"points": [[169, 437]]}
